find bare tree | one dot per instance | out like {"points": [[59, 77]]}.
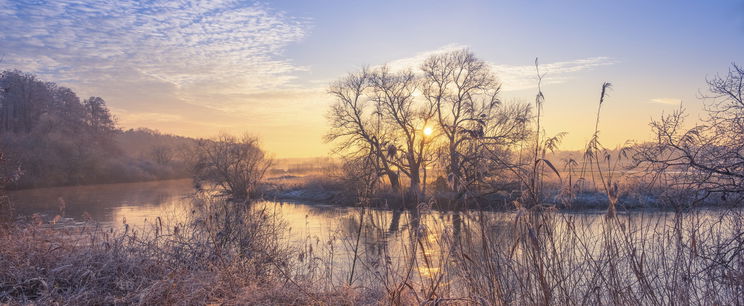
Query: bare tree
{"points": [[710, 155], [163, 155], [464, 93], [394, 120], [234, 165], [393, 94], [357, 126]]}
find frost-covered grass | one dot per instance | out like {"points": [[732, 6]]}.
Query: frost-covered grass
{"points": [[231, 253]]}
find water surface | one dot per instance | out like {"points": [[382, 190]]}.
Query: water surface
{"points": [[329, 234]]}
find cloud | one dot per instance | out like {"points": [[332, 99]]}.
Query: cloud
{"points": [[271, 106], [415, 61], [171, 122], [222, 46], [513, 77], [129, 118], [519, 77], [668, 101]]}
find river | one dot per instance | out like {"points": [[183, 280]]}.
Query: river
{"points": [[328, 233]]}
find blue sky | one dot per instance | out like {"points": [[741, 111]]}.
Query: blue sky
{"points": [[199, 67]]}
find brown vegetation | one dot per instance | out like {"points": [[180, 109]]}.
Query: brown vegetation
{"points": [[235, 252], [235, 165], [226, 253], [238, 254], [55, 139]]}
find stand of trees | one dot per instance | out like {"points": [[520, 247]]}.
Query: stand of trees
{"points": [[55, 138], [447, 112], [391, 125]]}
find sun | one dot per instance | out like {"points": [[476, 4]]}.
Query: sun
{"points": [[428, 131]]}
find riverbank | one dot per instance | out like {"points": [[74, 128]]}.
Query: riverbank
{"points": [[240, 255], [87, 266], [136, 202], [499, 201]]}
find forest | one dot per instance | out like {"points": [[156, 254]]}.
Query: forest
{"points": [[51, 137]]}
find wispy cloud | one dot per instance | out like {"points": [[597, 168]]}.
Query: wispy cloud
{"points": [[518, 77], [413, 62], [188, 47], [514, 77], [128, 118], [668, 101]]}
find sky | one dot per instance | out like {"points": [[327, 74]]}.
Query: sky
{"points": [[198, 68]]}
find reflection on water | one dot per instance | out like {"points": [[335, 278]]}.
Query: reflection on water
{"points": [[137, 203], [331, 234], [111, 203]]}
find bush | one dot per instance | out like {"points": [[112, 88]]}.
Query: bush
{"points": [[235, 166]]}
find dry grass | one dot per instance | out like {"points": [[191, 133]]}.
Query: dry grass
{"points": [[543, 257], [228, 254], [231, 254]]}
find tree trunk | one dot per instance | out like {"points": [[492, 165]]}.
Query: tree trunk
{"points": [[394, 180], [415, 188], [454, 168]]}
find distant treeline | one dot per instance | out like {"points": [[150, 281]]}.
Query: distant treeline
{"points": [[51, 137]]}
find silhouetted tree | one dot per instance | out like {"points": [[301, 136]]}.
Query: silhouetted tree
{"points": [[377, 119], [464, 91], [358, 127], [393, 94], [710, 155], [380, 117]]}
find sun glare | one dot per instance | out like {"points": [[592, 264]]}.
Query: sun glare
{"points": [[428, 131]]}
